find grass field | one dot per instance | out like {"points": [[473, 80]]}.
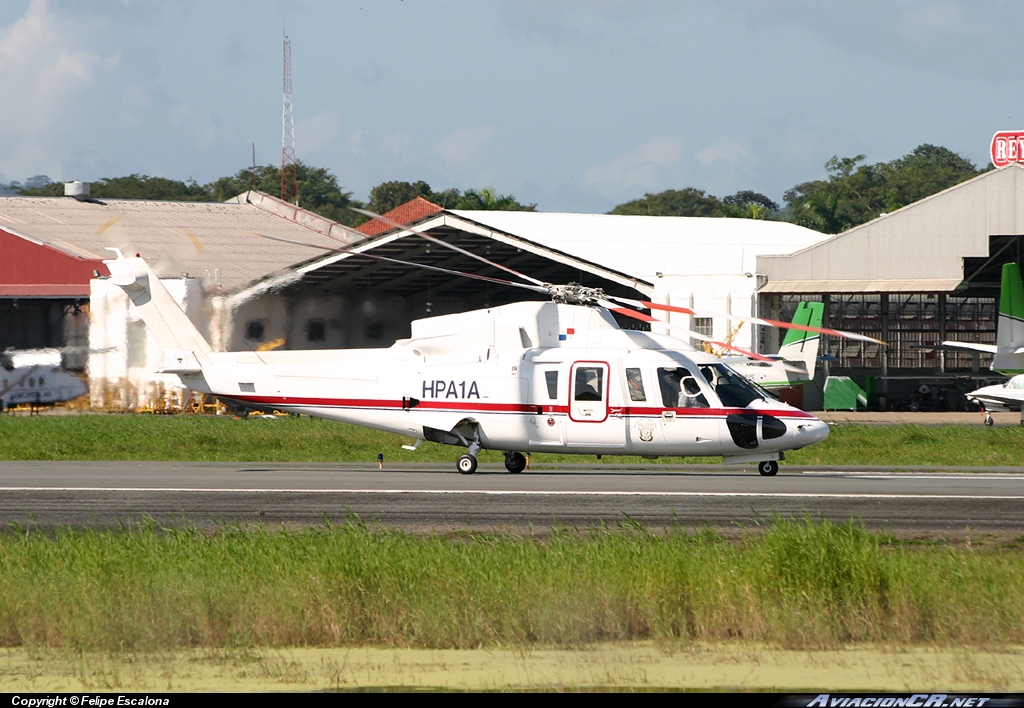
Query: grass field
{"points": [[798, 585], [301, 439]]}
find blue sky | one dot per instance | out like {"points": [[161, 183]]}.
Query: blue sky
{"points": [[576, 105]]}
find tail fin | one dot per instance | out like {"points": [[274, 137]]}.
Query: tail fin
{"points": [[1009, 357], [184, 346], [801, 346]]}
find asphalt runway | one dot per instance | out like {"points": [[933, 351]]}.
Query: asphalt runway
{"points": [[423, 497]]}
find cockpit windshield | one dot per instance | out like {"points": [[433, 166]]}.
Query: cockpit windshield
{"points": [[733, 390]]}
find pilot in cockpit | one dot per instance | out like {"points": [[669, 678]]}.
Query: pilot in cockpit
{"points": [[691, 396]]}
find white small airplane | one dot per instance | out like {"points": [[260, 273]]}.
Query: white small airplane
{"points": [[528, 377], [1008, 396], [35, 377], [1008, 350]]}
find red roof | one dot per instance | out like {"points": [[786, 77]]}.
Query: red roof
{"points": [[407, 213], [30, 269]]}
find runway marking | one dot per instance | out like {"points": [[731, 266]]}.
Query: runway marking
{"points": [[506, 492]]}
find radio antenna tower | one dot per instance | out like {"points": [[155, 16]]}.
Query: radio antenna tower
{"points": [[289, 165]]}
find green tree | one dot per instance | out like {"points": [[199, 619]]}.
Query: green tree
{"points": [[855, 193], [318, 190], [388, 195], [673, 202], [747, 204], [487, 199], [133, 186]]}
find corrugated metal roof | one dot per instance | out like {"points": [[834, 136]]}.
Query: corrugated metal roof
{"points": [[816, 287], [928, 239], [217, 241], [642, 246]]}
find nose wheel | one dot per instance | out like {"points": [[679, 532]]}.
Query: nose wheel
{"points": [[466, 464], [515, 462], [768, 468]]}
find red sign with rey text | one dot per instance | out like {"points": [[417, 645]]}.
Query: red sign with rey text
{"points": [[1007, 147]]}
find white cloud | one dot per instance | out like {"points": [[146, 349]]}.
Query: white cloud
{"points": [[45, 74], [727, 149], [953, 37], [397, 143], [317, 132], [201, 125], [356, 143], [464, 148], [646, 167]]}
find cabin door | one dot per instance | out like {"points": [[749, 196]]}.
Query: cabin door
{"points": [[592, 422]]}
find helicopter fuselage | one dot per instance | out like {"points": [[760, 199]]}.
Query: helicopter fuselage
{"points": [[595, 389], [526, 377]]}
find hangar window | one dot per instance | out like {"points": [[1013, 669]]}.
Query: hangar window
{"points": [[316, 330], [703, 325], [254, 330]]}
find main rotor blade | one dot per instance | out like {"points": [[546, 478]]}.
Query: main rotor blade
{"points": [[751, 320], [442, 242], [695, 335], [374, 256]]}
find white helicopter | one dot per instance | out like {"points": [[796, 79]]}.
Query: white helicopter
{"points": [[558, 376], [35, 377]]}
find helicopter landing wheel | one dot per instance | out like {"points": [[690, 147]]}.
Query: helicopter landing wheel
{"points": [[988, 420], [768, 468], [466, 464], [515, 462]]}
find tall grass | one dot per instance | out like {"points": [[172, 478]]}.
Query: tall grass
{"points": [[798, 585], [221, 439]]}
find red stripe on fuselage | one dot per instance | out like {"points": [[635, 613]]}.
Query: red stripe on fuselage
{"points": [[474, 407]]}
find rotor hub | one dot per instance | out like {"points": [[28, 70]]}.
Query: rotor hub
{"points": [[575, 294]]}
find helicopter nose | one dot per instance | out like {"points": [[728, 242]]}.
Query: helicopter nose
{"points": [[808, 432]]}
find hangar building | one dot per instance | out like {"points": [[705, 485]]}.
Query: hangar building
{"points": [[249, 292], [694, 262], [926, 273], [51, 252]]}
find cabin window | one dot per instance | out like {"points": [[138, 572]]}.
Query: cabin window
{"points": [[589, 383], [636, 385], [679, 388], [316, 330], [732, 389], [32, 383], [254, 330], [551, 379], [42, 381]]}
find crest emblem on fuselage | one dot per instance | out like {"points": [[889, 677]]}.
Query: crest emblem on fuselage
{"points": [[645, 429]]}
